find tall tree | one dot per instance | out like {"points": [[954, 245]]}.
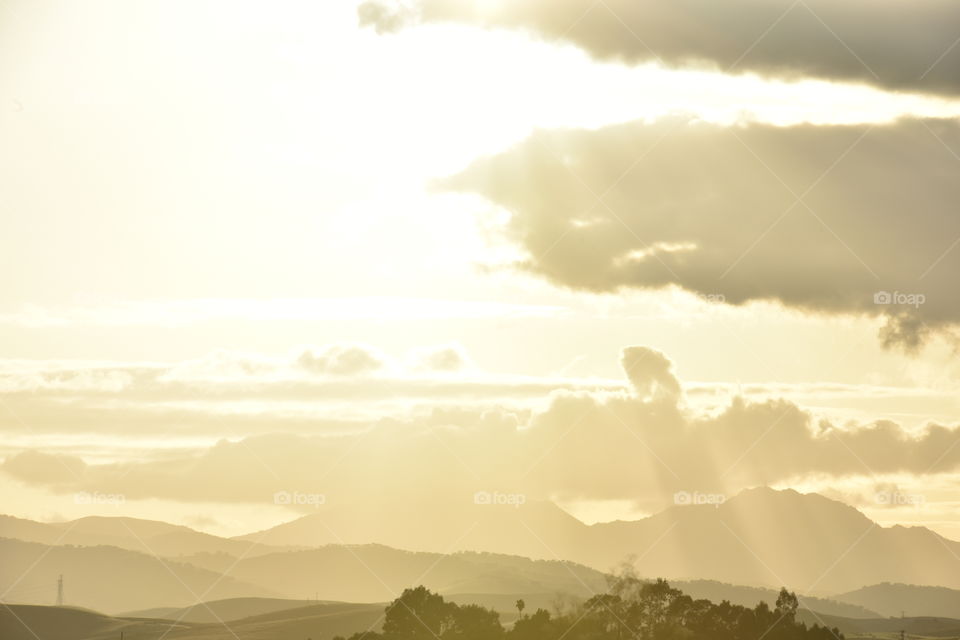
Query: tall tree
{"points": [[418, 614]]}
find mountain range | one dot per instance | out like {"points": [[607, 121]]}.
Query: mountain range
{"points": [[841, 562], [759, 537]]}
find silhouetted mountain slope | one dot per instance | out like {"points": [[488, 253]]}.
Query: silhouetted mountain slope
{"points": [[28, 622], [808, 542], [315, 621], [750, 596], [531, 530], [759, 537], [227, 610], [909, 599], [926, 627], [30, 531], [148, 536], [31, 622], [112, 579], [375, 573], [109, 579]]}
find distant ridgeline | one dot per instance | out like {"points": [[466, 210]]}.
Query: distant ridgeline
{"points": [[632, 609]]}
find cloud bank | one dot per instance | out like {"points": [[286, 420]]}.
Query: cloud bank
{"points": [[640, 444], [904, 46], [832, 219]]}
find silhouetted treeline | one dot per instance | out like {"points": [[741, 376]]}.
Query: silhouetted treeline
{"points": [[633, 609]]}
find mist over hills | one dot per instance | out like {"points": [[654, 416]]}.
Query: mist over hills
{"points": [[229, 609], [750, 596], [533, 530], [759, 537], [109, 579], [894, 600], [375, 573], [30, 622], [742, 551], [118, 580], [148, 536]]}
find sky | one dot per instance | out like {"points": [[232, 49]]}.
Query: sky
{"points": [[579, 251]]}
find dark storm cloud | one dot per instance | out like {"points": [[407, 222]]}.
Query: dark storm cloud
{"points": [[909, 46], [831, 219]]}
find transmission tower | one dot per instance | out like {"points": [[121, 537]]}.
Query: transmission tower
{"points": [[60, 591]]}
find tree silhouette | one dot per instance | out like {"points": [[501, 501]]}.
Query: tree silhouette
{"points": [[634, 609], [418, 614], [787, 604], [473, 622]]}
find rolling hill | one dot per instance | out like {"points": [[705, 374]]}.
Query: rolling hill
{"points": [[148, 536], [759, 537], [922, 627], [28, 622], [223, 610], [109, 579], [750, 596], [114, 580], [375, 573], [909, 599]]}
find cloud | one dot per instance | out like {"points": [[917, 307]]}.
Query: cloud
{"points": [[445, 358], [385, 18], [318, 390], [43, 468], [895, 45], [829, 219], [219, 365], [640, 445], [342, 360], [649, 371]]}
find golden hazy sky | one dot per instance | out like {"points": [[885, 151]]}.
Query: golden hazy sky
{"points": [[254, 246]]}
